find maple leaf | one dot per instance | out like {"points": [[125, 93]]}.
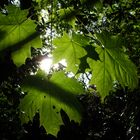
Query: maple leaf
{"points": [[19, 34], [48, 97], [113, 65], [70, 48]]}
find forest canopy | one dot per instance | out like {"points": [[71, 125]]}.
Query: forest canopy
{"points": [[90, 49]]}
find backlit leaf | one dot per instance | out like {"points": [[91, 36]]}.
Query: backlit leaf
{"points": [[70, 48], [68, 14], [19, 34], [113, 65], [48, 97]]}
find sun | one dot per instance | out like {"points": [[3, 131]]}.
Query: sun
{"points": [[46, 64]]}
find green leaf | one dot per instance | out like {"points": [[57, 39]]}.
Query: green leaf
{"points": [[113, 65], [99, 5], [70, 48], [38, 0], [91, 53], [68, 14], [48, 97], [19, 34]]}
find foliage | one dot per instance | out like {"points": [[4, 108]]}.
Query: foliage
{"points": [[70, 48], [10, 125], [48, 97], [117, 117], [18, 34], [113, 65], [95, 37]]}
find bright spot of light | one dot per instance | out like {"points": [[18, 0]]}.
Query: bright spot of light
{"points": [[46, 64], [16, 2], [62, 62], [44, 14]]}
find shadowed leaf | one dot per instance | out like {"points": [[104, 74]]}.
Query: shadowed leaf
{"points": [[19, 34], [113, 65], [48, 97]]}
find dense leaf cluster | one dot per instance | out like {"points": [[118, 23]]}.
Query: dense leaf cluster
{"points": [[117, 118], [98, 39]]}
